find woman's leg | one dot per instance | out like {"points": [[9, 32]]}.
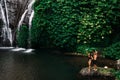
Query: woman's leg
{"points": [[89, 65]]}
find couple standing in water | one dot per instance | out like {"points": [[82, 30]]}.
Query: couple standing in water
{"points": [[92, 58]]}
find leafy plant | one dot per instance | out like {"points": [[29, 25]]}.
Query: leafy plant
{"points": [[113, 51], [22, 36], [117, 74], [84, 49], [69, 23]]}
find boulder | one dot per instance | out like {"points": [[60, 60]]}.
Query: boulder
{"points": [[100, 72], [118, 64]]}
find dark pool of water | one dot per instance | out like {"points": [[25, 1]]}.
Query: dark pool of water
{"points": [[42, 65]]}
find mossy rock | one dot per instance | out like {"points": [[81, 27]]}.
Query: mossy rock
{"points": [[100, 72]]}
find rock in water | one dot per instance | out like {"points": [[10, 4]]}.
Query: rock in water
{"points": [[118, 64], [86, 72], [100, 72]]}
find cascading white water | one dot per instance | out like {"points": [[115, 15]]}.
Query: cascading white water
{"points": [[6, 10], [6, 31], [3, 14], [30, 11], [30, 19], [30, 25], [21, 20]]}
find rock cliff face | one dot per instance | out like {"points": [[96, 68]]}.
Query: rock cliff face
{"points": [[15, 10]]}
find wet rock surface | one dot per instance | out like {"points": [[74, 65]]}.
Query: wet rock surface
{"points": [[118, 64], [100, 72], [13, 11]]}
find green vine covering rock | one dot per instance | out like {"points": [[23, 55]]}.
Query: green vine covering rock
{"points": [[113, 51], [22, 36], [72, 23], [117, 74]]}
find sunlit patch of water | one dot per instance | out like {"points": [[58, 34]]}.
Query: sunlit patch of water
{"points": [[18, 49], [28, 50], [6, 47]]}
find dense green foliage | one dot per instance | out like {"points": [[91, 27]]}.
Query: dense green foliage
{"points": [[84, 49], [72, 23], [22, 37], [75, 25], [117, 74], [113, 51], [116, 37]]}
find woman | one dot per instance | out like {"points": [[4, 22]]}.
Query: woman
{"points": [[89, 61]]}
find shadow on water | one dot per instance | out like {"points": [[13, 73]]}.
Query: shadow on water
{"points": [[42, 65], [39, 66]]}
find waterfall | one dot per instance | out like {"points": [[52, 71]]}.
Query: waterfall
{"points": [[6, 10], [3, 14], [6, 31], [21, 20], [30, 11], [30, 25], [30, 19]]}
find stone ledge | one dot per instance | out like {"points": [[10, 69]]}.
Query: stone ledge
{"points": [[100, 72]]}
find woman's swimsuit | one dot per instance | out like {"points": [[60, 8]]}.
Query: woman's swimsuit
{"points": [[90, 57]]}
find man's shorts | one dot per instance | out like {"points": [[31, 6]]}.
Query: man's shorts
{"points": [[94, 62]]}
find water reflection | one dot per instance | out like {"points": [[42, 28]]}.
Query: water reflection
{"points": [[42, 65]]}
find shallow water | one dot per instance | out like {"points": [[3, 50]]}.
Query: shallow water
{"points": [[42, 65]]}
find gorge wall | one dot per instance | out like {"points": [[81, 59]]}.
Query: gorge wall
{"points": [[15, 10]]}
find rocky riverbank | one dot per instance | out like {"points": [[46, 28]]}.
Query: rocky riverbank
{"points": [[100, 72]]}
